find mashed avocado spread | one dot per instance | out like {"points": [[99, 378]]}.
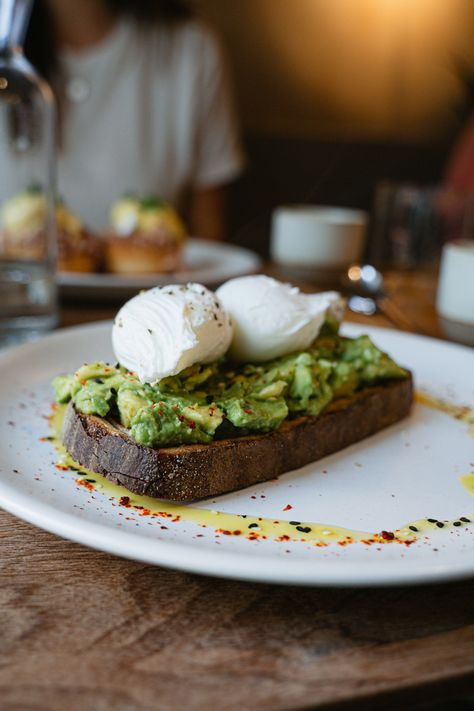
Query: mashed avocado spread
{"points": [[219, 400]]}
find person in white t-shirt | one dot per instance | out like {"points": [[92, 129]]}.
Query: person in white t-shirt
{"points": [[145, 107]]}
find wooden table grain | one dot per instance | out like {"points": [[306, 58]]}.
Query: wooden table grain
{"points": [[84, 630]]}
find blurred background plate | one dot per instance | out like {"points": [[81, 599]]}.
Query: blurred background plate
{"points": [[206, 262]]}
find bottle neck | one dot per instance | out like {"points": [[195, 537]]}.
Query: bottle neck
{"points": [[14, 18]]}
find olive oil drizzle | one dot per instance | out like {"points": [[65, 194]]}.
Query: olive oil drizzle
{"points": [[256, 527], [464, 413], [467, 482]]}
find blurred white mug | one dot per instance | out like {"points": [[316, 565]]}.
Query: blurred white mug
{"points": [[455, 297], [316, 236]]}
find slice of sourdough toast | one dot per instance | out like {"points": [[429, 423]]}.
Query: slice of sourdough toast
{"points": [[197, 471]]}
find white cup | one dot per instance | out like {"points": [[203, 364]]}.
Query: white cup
{"points": [[455, 297], [316, 236]]}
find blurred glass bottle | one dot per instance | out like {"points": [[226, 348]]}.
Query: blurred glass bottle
{"points": [[28, 298], [406, 230]]}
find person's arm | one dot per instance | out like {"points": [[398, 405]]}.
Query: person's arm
{"points": [[207, 215]]}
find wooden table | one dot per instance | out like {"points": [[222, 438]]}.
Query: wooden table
{"points": [[85, 630]]}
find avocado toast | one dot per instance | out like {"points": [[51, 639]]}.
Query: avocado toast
{"points": [[219, 426]]}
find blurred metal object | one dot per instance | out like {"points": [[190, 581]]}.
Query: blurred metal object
{"points": [[364, 285], [14, 18]]}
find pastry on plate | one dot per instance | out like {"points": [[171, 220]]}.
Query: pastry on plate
{"points": [[78, 249], [24, 220], [146, 236]]}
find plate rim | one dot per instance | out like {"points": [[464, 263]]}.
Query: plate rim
{"points": [[229, 564], [105, 282], [257, 569]]}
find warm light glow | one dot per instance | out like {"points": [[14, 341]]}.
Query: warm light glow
{"points": [[3, 83], [360, 67], [354, 273]]}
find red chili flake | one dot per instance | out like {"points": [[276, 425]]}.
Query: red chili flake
{"points": [[237, 533], [287, 507], [248, 411], [124, 500], [87, 485], [284, 537], [387, 535], [224, 531], [181, 418], [161, 414], [84, 382], [62, 467], [191, 424]]}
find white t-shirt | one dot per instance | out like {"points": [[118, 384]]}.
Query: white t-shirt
{"points": [[148, 111]]}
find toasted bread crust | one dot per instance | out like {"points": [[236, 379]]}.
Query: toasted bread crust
{"points": [[197, 471]]}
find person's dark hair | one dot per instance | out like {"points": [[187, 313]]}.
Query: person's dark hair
{"points": [[40, 44]]}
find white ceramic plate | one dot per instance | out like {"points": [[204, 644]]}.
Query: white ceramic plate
{"points": [[204, 261], [406, 472]]}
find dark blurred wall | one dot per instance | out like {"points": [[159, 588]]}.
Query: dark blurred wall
{"points": [[337, 95]]}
